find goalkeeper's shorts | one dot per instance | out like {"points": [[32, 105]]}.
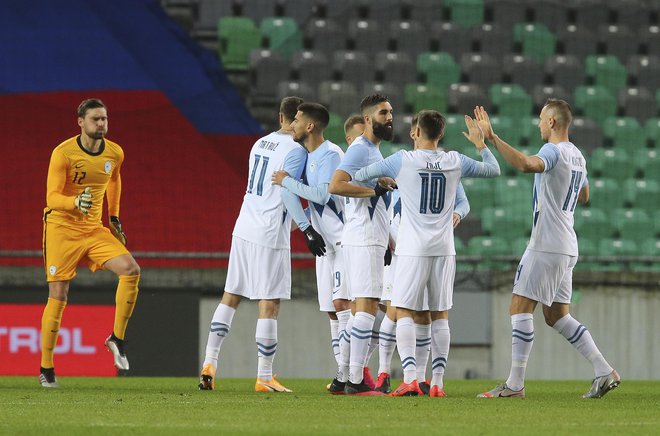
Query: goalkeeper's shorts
{"points": [[65, 247]]}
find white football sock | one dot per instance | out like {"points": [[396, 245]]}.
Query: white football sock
{"points": [[266, 337], [334, 335], [578, 335], [375, 335], [386, 345], [422, 349], [405, 342], [440, 338], [522, 339], [360, 337], [346, 319], [220, 325]]}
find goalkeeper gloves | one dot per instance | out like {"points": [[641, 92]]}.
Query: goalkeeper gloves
{"points": [[388, 256], [115, 228], [83, 202], [315, 242]]}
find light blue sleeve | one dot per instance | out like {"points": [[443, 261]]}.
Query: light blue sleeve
{"points": [[389, 167], [549, 154], [488, 168], [461, 205], [355, 158], [318, 194], [294, 163]]}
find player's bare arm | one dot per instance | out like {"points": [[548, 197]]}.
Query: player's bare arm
{"points": [[341, 185]]}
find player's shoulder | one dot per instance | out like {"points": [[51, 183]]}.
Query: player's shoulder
{"points": [[113, 148], [66, 145], [332, 148]]}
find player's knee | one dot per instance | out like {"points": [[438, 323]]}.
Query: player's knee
{"points": [[131, 269]]}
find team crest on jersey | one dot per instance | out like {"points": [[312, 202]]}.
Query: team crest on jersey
{"points": [[312, 166], [52, 270], [107, 167]]}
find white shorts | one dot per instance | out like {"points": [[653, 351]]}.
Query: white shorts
{"points": [[364, 266], [415, 273], [388, 284], [257, 272], [330, 279], [545, 277]]}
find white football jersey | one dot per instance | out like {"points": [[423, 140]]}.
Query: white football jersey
{"points": [[555, 194], [263, 219], [367, 219]]}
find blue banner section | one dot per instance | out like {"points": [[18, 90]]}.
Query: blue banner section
{"points": [[78, 45]]}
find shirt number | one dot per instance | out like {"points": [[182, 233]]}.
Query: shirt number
{"points": [[573, 190], [432, 195], [262, 174]]}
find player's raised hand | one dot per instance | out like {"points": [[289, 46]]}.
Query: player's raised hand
{"points": [[115, 228], [83, 202], [278, 176], [315, 242], [483, 120], [474, 133]]}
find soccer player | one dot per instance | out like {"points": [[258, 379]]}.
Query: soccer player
{"points": [[82, 171], [353, 127], [260, 256], [365, 237], [327, 212], [545, 271], [427, 180]]}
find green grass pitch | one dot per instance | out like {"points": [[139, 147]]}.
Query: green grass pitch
{"points": [[135, 405]]}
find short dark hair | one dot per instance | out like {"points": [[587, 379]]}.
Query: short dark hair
{"points": [[317, 112], [432, 124], [371, 100], [289, 107], [90, 103], [562, 111], [351, 121], [414, 121]]}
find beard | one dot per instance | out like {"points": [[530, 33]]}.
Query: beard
{"points": [[96, 134], [300, 137], [383, 131]]}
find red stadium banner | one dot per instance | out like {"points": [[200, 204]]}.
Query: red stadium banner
{"points": [[79, 351]]}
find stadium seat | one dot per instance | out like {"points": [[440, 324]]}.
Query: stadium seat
{"points": [[565, 70], [481, 69], [402, 126], [535, 39], [647, 160], [643, 194], [367, 36], [592, 223], [631, 13], [282, 35], [552, 13], [644, 71], [325, 36], [395, 67], [618, 40], [590, 13], [393, 92], [649, 36], [340, 11], [506, 13], [311, 66], [578, 41], [493, 38], [637, 103], [586, 135], [617, 247], [528, 128], [523, 71], [467, 13], [505, 222], [258, 10], [650, 247], [464, 97], [302, 11], [519, 245], [480, 194], [607, 71], [652, 128], [488, 247], [335, 130], [454, 139], [354, 67], [625, 133], [604, 193], [410, 38], [340, 97], [237, 37], [263, 83], [510, 100], [423, 11], [451, 38], [210, 11], [514, 192], [301, 89], [421, 96], [541, 94], [595, 102], [439, 69], [509, 129], [382, 11], [613, 163]]}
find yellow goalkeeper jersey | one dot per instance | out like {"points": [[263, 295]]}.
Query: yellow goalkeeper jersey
{"points": [[72, 169]]}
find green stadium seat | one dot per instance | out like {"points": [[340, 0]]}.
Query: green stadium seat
{"points": [[420, 96], [529, 131], [589, 247], [335, 131], [439, 68], [633, 224], [604, 194], [454, 139], [480, 194], [518, 246], [514, 193], [389, 148], [613, 163], [652, 128], [617, 247], [488, 247], [283, 35], [592, 224], [237, 37], [511, 100], [625, 133], [650, 247], [536, 40], [595, 102], [467, 13], [643, 194], [648, 162], [607, 71], [506, 223]]}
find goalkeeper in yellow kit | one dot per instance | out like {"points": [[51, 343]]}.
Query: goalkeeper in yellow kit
{"points": [[82, 171]]}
